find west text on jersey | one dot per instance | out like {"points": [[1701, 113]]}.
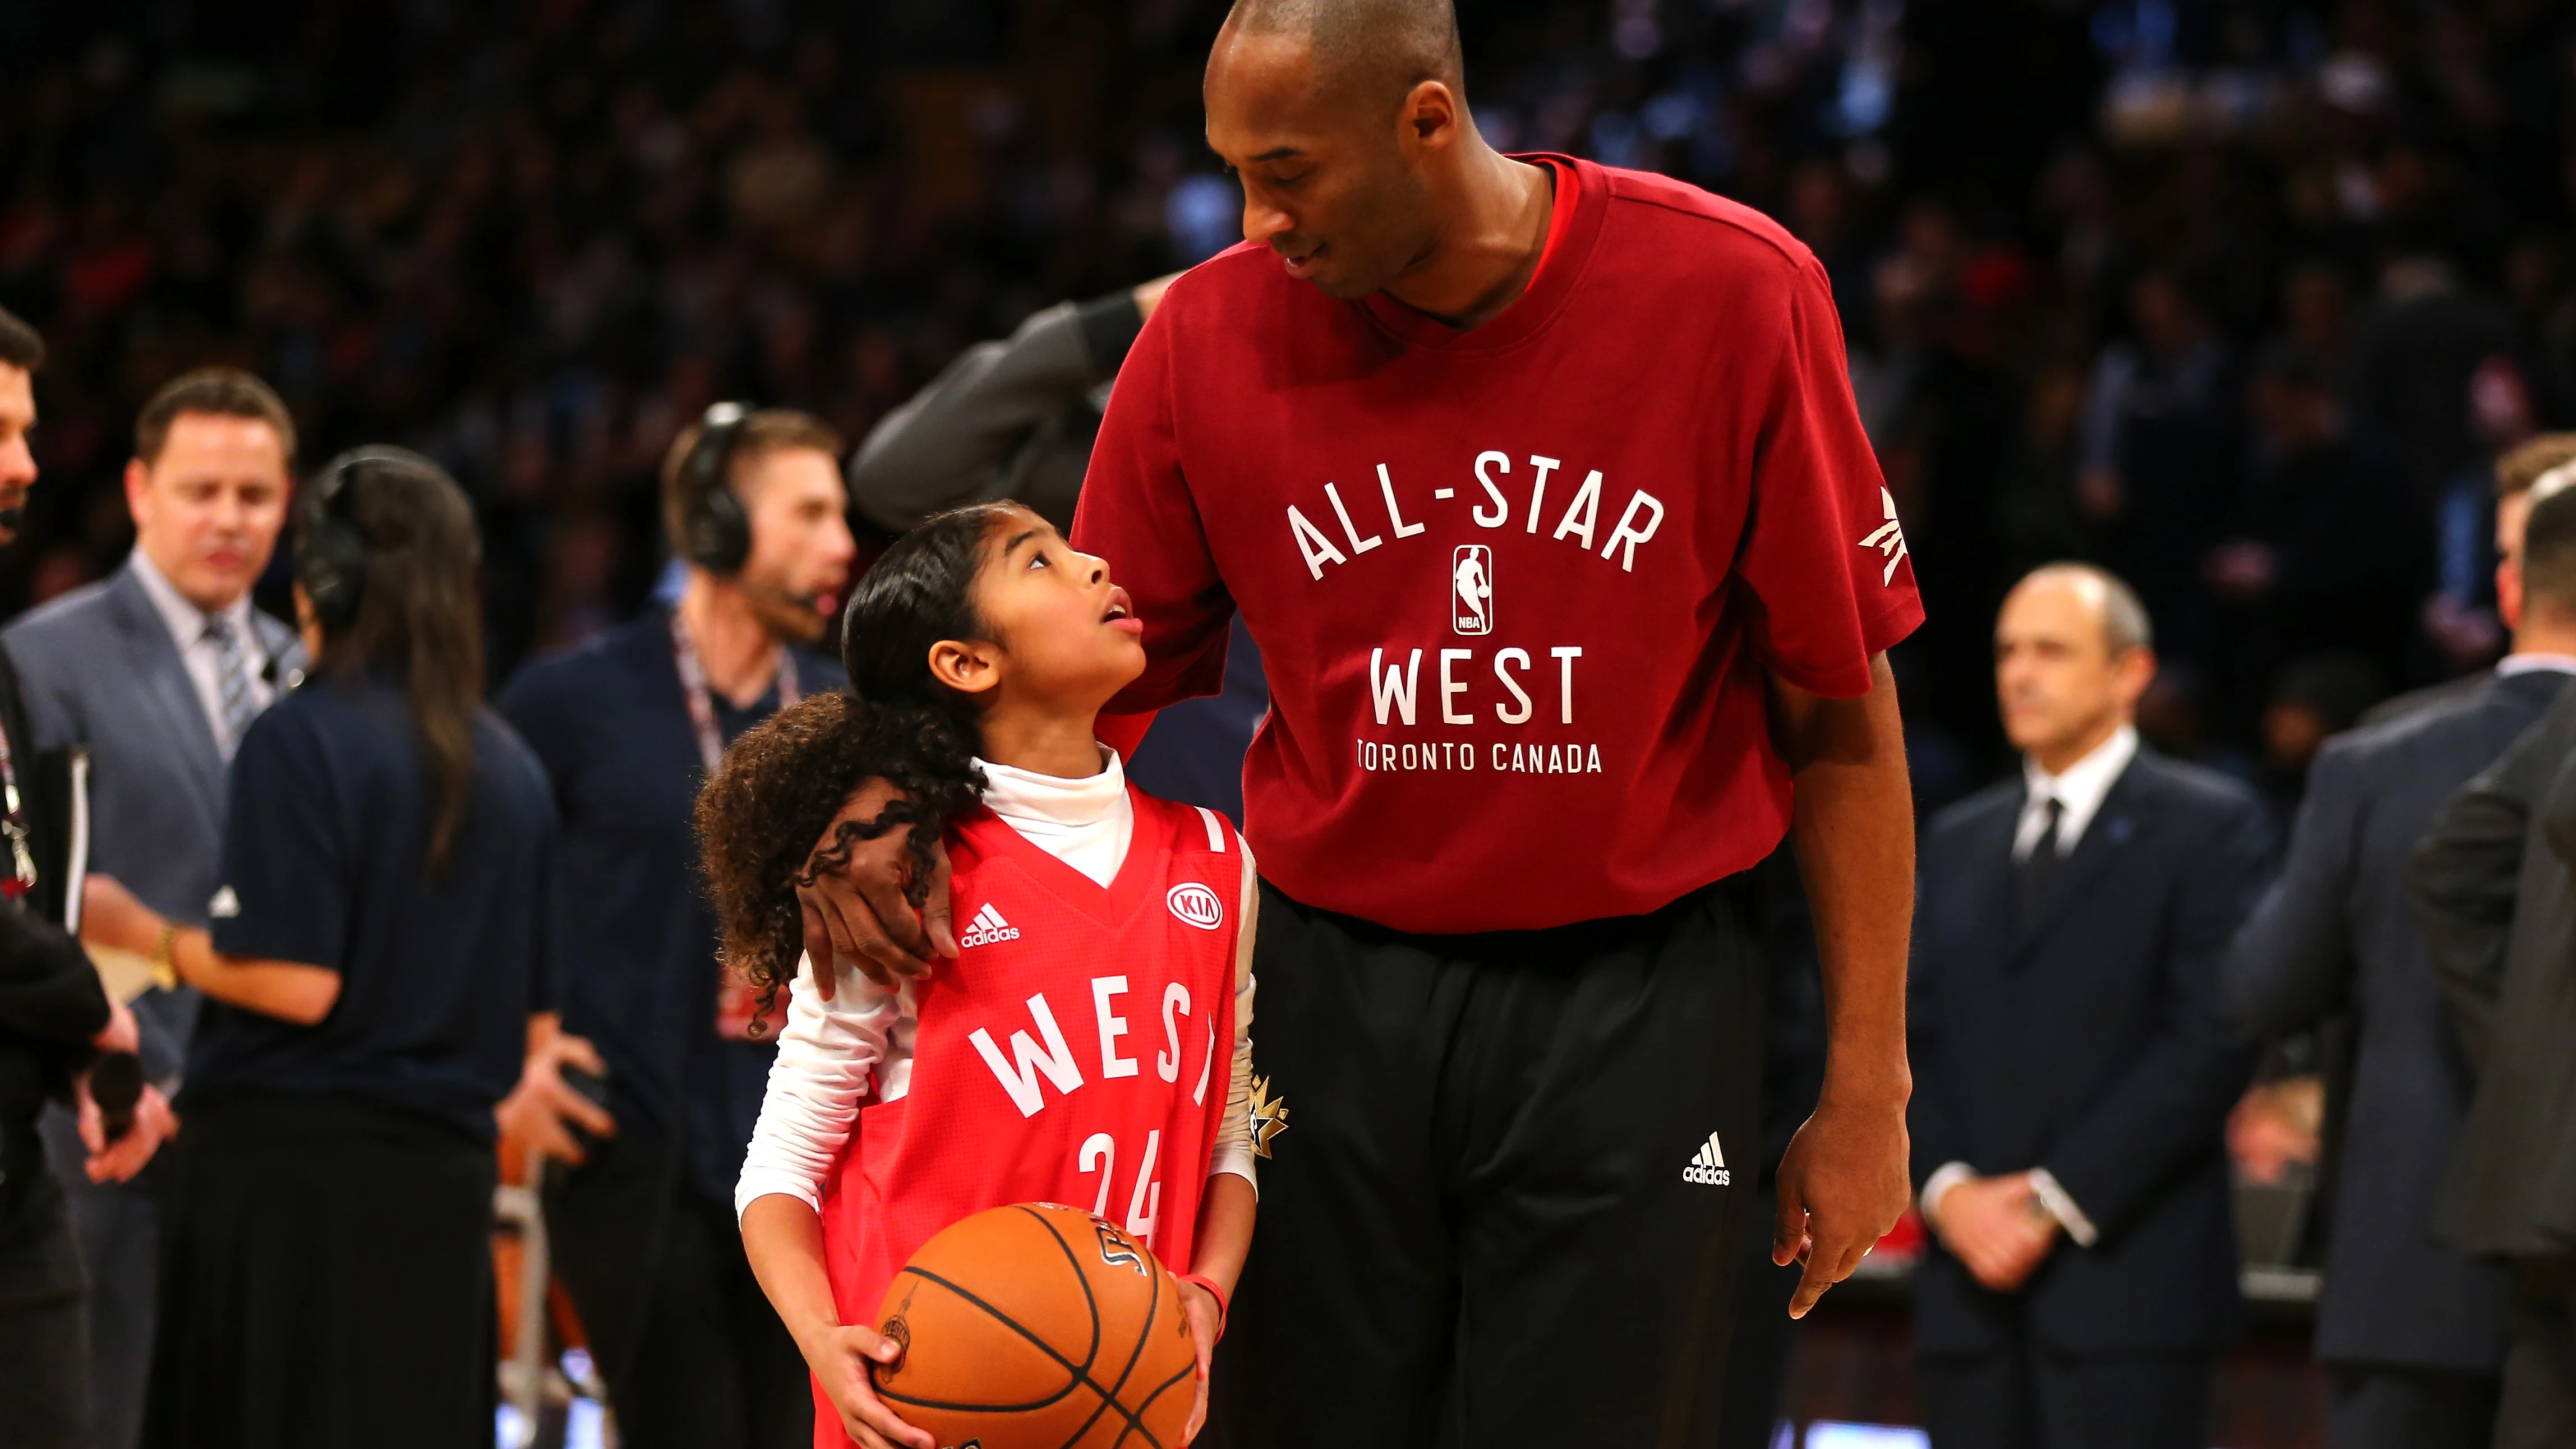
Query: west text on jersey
{"points": [[1049, 1057]]}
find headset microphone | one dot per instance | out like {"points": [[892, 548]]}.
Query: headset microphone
{"points": [[806, 603], [11, 517]]}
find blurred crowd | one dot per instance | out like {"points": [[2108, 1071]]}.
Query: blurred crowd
{"points": [[2239, 299], [2242, 302]]}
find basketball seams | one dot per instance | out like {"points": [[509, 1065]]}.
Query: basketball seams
{"points": [[1079, 1378], [1127, 1427], [1153, 1310], [1186, 1375], [1109, 1396], [1090, 1301]]}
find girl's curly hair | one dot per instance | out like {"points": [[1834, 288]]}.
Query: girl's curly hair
{"points": [[784, 782]]}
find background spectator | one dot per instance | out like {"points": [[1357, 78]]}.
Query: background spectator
{"points": [[534, 241], [2073, 1064], [53, 1018], [156, 671], [2413, 1329], [627, 729]]}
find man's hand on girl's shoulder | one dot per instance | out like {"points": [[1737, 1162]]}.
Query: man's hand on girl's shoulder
{"points": [[852, 897]]}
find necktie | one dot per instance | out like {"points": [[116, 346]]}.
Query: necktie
{"points": [[233, 699], [2038, 866]]}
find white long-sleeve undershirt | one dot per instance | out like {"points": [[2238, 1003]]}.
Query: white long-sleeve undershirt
{"points": [[835, 1056]]}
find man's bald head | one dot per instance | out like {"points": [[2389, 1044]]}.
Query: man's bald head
{"points": [[1378, 48], [2073, 652]]}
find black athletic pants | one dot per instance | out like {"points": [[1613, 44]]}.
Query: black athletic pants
{"points": [[2021, 1395], [2538, 1406], [1497, 1214], [694, 1356], [2402, 1406]]}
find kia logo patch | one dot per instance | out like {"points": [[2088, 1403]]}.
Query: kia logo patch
{"points": [[1196, 905]]}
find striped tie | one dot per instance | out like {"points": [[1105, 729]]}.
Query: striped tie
{"points": [[234, 698]]}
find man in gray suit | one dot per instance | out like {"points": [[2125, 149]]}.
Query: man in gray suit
{"points": [[2412, 1330], [156, 672]]}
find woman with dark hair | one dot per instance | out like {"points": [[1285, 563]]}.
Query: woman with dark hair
{"points": [[376, 964]]}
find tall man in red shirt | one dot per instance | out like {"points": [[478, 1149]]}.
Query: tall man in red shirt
{"points": [[1541, 488]]}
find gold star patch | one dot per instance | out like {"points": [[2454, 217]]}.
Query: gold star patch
{"points": [[1269, 1116]]}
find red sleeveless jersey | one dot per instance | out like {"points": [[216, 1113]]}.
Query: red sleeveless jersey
{"points": [[1079, 1051]]}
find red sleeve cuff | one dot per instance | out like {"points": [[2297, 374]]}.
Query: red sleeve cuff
{"points": [[1850, 678], [1124, 732]]}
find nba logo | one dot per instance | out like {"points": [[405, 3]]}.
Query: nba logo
{"points": [[1471, 589]]}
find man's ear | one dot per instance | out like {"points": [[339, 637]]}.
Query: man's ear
{"points": [[2137, 670], [1430, 115], [969, 666], [137, 479]]}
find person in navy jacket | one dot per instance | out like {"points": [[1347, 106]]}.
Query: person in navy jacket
{"points": [[2074, 1061]]}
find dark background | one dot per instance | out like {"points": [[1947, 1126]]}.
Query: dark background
{"points": [[531, 239]]}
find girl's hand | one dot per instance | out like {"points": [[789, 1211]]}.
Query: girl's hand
{"points": [[1205, 1318], [841, 1357]]}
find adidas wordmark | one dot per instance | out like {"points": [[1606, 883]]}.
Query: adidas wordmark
{"points": [[1708, 1165], [989, 927]]}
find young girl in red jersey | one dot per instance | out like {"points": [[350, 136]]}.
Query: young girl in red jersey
{"points": [[1071, 1053]]}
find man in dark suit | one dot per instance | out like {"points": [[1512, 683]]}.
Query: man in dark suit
{"points": [[53, 1015], [2073, 1060], [2515, 472], [2492, 887], [2414, 1330], [156, 671]]}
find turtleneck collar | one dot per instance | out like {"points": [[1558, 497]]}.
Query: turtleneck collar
{"points": [[1017, 794], [1085, 823]]}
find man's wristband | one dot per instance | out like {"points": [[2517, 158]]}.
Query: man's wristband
{"points": [[1215, 1292]]}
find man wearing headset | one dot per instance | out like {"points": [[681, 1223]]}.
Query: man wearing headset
{"points": [[642, 1221]]}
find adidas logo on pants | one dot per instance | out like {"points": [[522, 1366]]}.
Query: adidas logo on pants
{"points": [[1708, 1167]]}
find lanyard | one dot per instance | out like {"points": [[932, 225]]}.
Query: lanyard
{"points": [[693, 683], [13, 823]]}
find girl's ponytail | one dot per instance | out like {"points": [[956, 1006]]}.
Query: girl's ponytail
{"points": [[927, 756], [783, 783]]}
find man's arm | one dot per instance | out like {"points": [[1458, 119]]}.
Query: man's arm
{"points": [[2465, 874], [48, 989], [1136, 511], [959, 439], [1932, 1121], [2171, 1103], [1843, 1181], [2291, 964], [2558, 814]]}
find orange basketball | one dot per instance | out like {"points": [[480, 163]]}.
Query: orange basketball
{"points": [[1039, 1327]]}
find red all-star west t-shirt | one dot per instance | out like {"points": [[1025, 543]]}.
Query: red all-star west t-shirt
{"points": [[1515, 588]]}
